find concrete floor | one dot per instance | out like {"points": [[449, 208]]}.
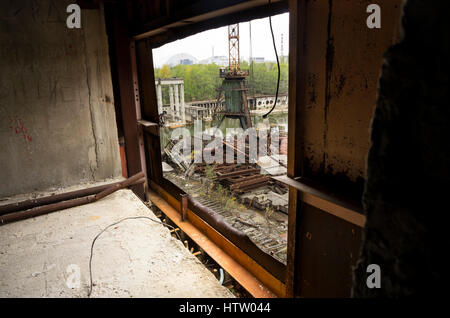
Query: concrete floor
{"points": [[136, 258]]}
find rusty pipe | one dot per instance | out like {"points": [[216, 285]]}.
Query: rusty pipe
{"points": [[120, 185], [45, 209], [32, 203]]}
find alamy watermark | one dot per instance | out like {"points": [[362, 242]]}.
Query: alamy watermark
{"points": [[192, 150], [74, 18], [73, 281], [374, 279], [373, 21]]}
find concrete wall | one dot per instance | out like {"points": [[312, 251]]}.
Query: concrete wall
{"points": [[57, 119], [344, 58]]}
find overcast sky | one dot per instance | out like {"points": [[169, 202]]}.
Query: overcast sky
{"points": [[201, 44]]}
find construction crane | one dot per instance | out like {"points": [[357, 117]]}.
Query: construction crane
{"points": [[234, 85]]}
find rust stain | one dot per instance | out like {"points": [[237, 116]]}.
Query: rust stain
{"points": [[329, 59], [312, 81], [340, 83]]}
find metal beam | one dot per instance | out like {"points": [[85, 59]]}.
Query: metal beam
{"points": [[199, 11], [226, 254], [341, 208], [169, 81], [297, 96], [116, 15], [173, 31]]}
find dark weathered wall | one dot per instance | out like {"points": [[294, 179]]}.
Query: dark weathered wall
{"points": [[328, 250], [57, 120], [343, 59], [335, 62], [408, 164]]}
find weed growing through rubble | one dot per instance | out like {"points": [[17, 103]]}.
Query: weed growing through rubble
{"points": [[209, 173], [219, 193], [268, 213], [225, 197]]}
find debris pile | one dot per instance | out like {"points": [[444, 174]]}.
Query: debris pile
{"points": [[244, 194]]}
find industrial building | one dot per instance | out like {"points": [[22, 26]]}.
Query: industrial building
{"points": [[94, 203]]}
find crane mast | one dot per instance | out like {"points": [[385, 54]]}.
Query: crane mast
{"points": [[234, 58], [233, 47], [234, 85]]}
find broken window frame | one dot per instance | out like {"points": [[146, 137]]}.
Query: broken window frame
{"points": [[137, 104], [149, 142]]}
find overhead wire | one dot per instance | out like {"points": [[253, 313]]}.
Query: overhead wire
{"points": [[278, 65]]}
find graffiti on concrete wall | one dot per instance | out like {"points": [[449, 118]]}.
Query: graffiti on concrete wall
{"points": [[17, 126]]}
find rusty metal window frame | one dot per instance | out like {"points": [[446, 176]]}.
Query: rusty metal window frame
{"points": [[148, 132]]}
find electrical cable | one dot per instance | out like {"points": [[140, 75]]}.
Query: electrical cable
{"points": [[96, 237], [278, 65]]}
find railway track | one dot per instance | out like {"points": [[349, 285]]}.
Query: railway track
{"points": [[268, 233]]}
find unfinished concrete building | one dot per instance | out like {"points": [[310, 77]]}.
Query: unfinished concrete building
{"points": [[367, 153], [176, 96]]}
